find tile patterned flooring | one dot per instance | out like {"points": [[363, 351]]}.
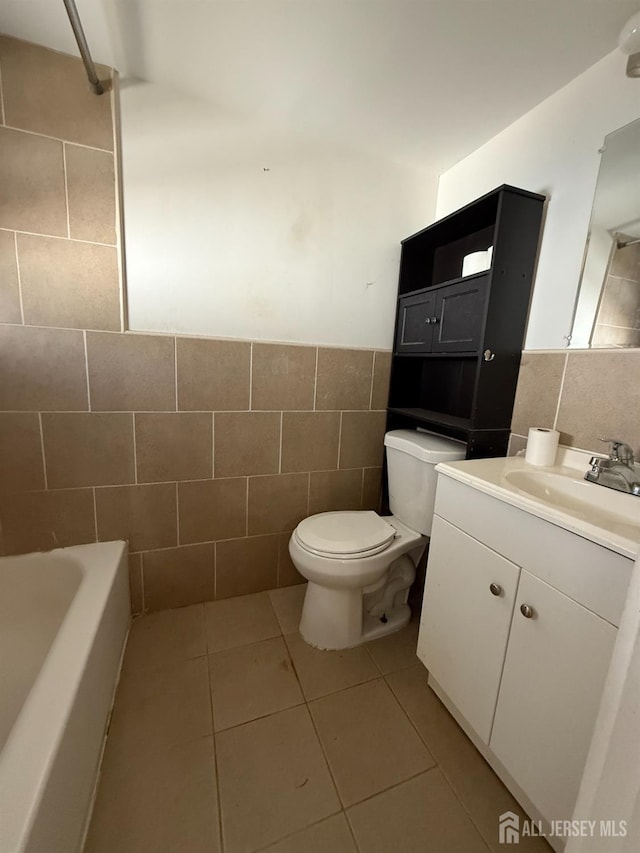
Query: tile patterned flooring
{"points": [[229, 733]]}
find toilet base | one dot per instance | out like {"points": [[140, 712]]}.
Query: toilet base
{"points": [[332, 619]]}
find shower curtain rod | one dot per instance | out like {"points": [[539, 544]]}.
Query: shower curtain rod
{"points": [[74, 19]]}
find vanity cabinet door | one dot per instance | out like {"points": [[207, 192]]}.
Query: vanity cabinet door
{"points": [[460, 313], [416, 322], [555, 667], [465, 621]]}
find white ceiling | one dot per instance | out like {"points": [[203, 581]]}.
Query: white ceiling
{"points": [[424, 82]]}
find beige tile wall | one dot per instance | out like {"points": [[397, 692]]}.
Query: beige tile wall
{"points": [[585, 394], [203, 454]]}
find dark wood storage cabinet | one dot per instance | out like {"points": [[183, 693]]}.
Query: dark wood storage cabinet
{"points": [[458, 339]]}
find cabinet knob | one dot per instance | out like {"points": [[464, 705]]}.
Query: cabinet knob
{"points": [[527, 611], [428, 320], [488, 355], [434, 320], [495, 589]]}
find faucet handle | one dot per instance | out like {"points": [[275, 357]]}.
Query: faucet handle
{"points": [[620, 451]]}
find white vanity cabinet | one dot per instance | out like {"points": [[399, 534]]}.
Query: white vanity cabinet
{"points": [[522, 670], [466, 621], [554, 671]]}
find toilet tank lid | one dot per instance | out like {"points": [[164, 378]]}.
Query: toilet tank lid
{"points": [[425, 445]]}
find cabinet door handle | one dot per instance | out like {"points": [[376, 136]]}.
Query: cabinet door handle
{"points": [[527, 611], [495, 589], [434, 320]]}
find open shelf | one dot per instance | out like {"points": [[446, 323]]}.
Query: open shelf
{"points": [[427, 416]]}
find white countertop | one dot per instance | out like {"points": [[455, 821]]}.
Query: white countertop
{"points": [[610, 518]]}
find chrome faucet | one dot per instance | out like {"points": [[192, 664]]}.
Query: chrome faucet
{"points": [[617, 471]]}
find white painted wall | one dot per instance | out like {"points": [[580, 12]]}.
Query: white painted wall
{"points": [[553, 149], [236, 231]]}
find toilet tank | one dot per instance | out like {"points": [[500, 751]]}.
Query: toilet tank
{"points": [[411, 460]]}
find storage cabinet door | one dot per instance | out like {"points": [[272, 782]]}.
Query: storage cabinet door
{"points": [[416, 318], [464, 625], [550, 693], [460, 315]]}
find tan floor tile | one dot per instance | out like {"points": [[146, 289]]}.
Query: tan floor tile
{"points": [[419, 815], [396, 651], [481, 792], [287, 603], [321, 672], [163, 802], [252, 681], [273, 780], [332, 835], [166, 637], [167, 706], [239, 621], [369, 742]]}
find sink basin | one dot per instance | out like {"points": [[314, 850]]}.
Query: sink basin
{"points": [[602, 507]]}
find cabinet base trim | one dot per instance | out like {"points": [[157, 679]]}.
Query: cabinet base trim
{"points": [[556, 843]]}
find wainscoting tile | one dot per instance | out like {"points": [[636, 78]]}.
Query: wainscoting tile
{"points": [[246, 565], [246, 443], [88, 449], [69, 284], [277, 503], [213, 375], [212, 509], [91, 183], [145, 516], [21, 465], [381, 377], [40, 521], [176, 577], [9, 290], [32, 180], [538, 390], [310, 441], [131, 372], [372, 489], [173, 446], [344, 378], [330, 491], [66, 107], [283, 377], [362, 439], [42, 370]]}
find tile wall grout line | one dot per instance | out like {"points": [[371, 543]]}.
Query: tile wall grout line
{"points": [[66, 188], [339, 442], [70, 240], [315, 382], [215, 578], [560, 390], [280, 451], [95, 512], [246, 508], [215, 746], [15, 243], [57, 138], [250, 377], [44, 459], [144, 603], [135, 450], [178, 543], [213, 445], [175, 371], [362, 489], [2, 114], [373, 373], [86, 370]]}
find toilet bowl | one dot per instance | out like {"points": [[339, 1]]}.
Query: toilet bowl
{"points": [[360, 565]]}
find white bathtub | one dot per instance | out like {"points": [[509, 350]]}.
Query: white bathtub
{"points": [[64, 618]]}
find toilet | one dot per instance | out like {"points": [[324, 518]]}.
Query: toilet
{"points": [[360, 565]]}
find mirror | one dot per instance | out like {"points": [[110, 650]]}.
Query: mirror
{"points": [[607, 312]]}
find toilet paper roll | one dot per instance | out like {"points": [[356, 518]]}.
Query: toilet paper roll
{"points": [[475, 262], [542, 445]]}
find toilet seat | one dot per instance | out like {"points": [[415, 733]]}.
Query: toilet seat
{"points": [[344, 535]]}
